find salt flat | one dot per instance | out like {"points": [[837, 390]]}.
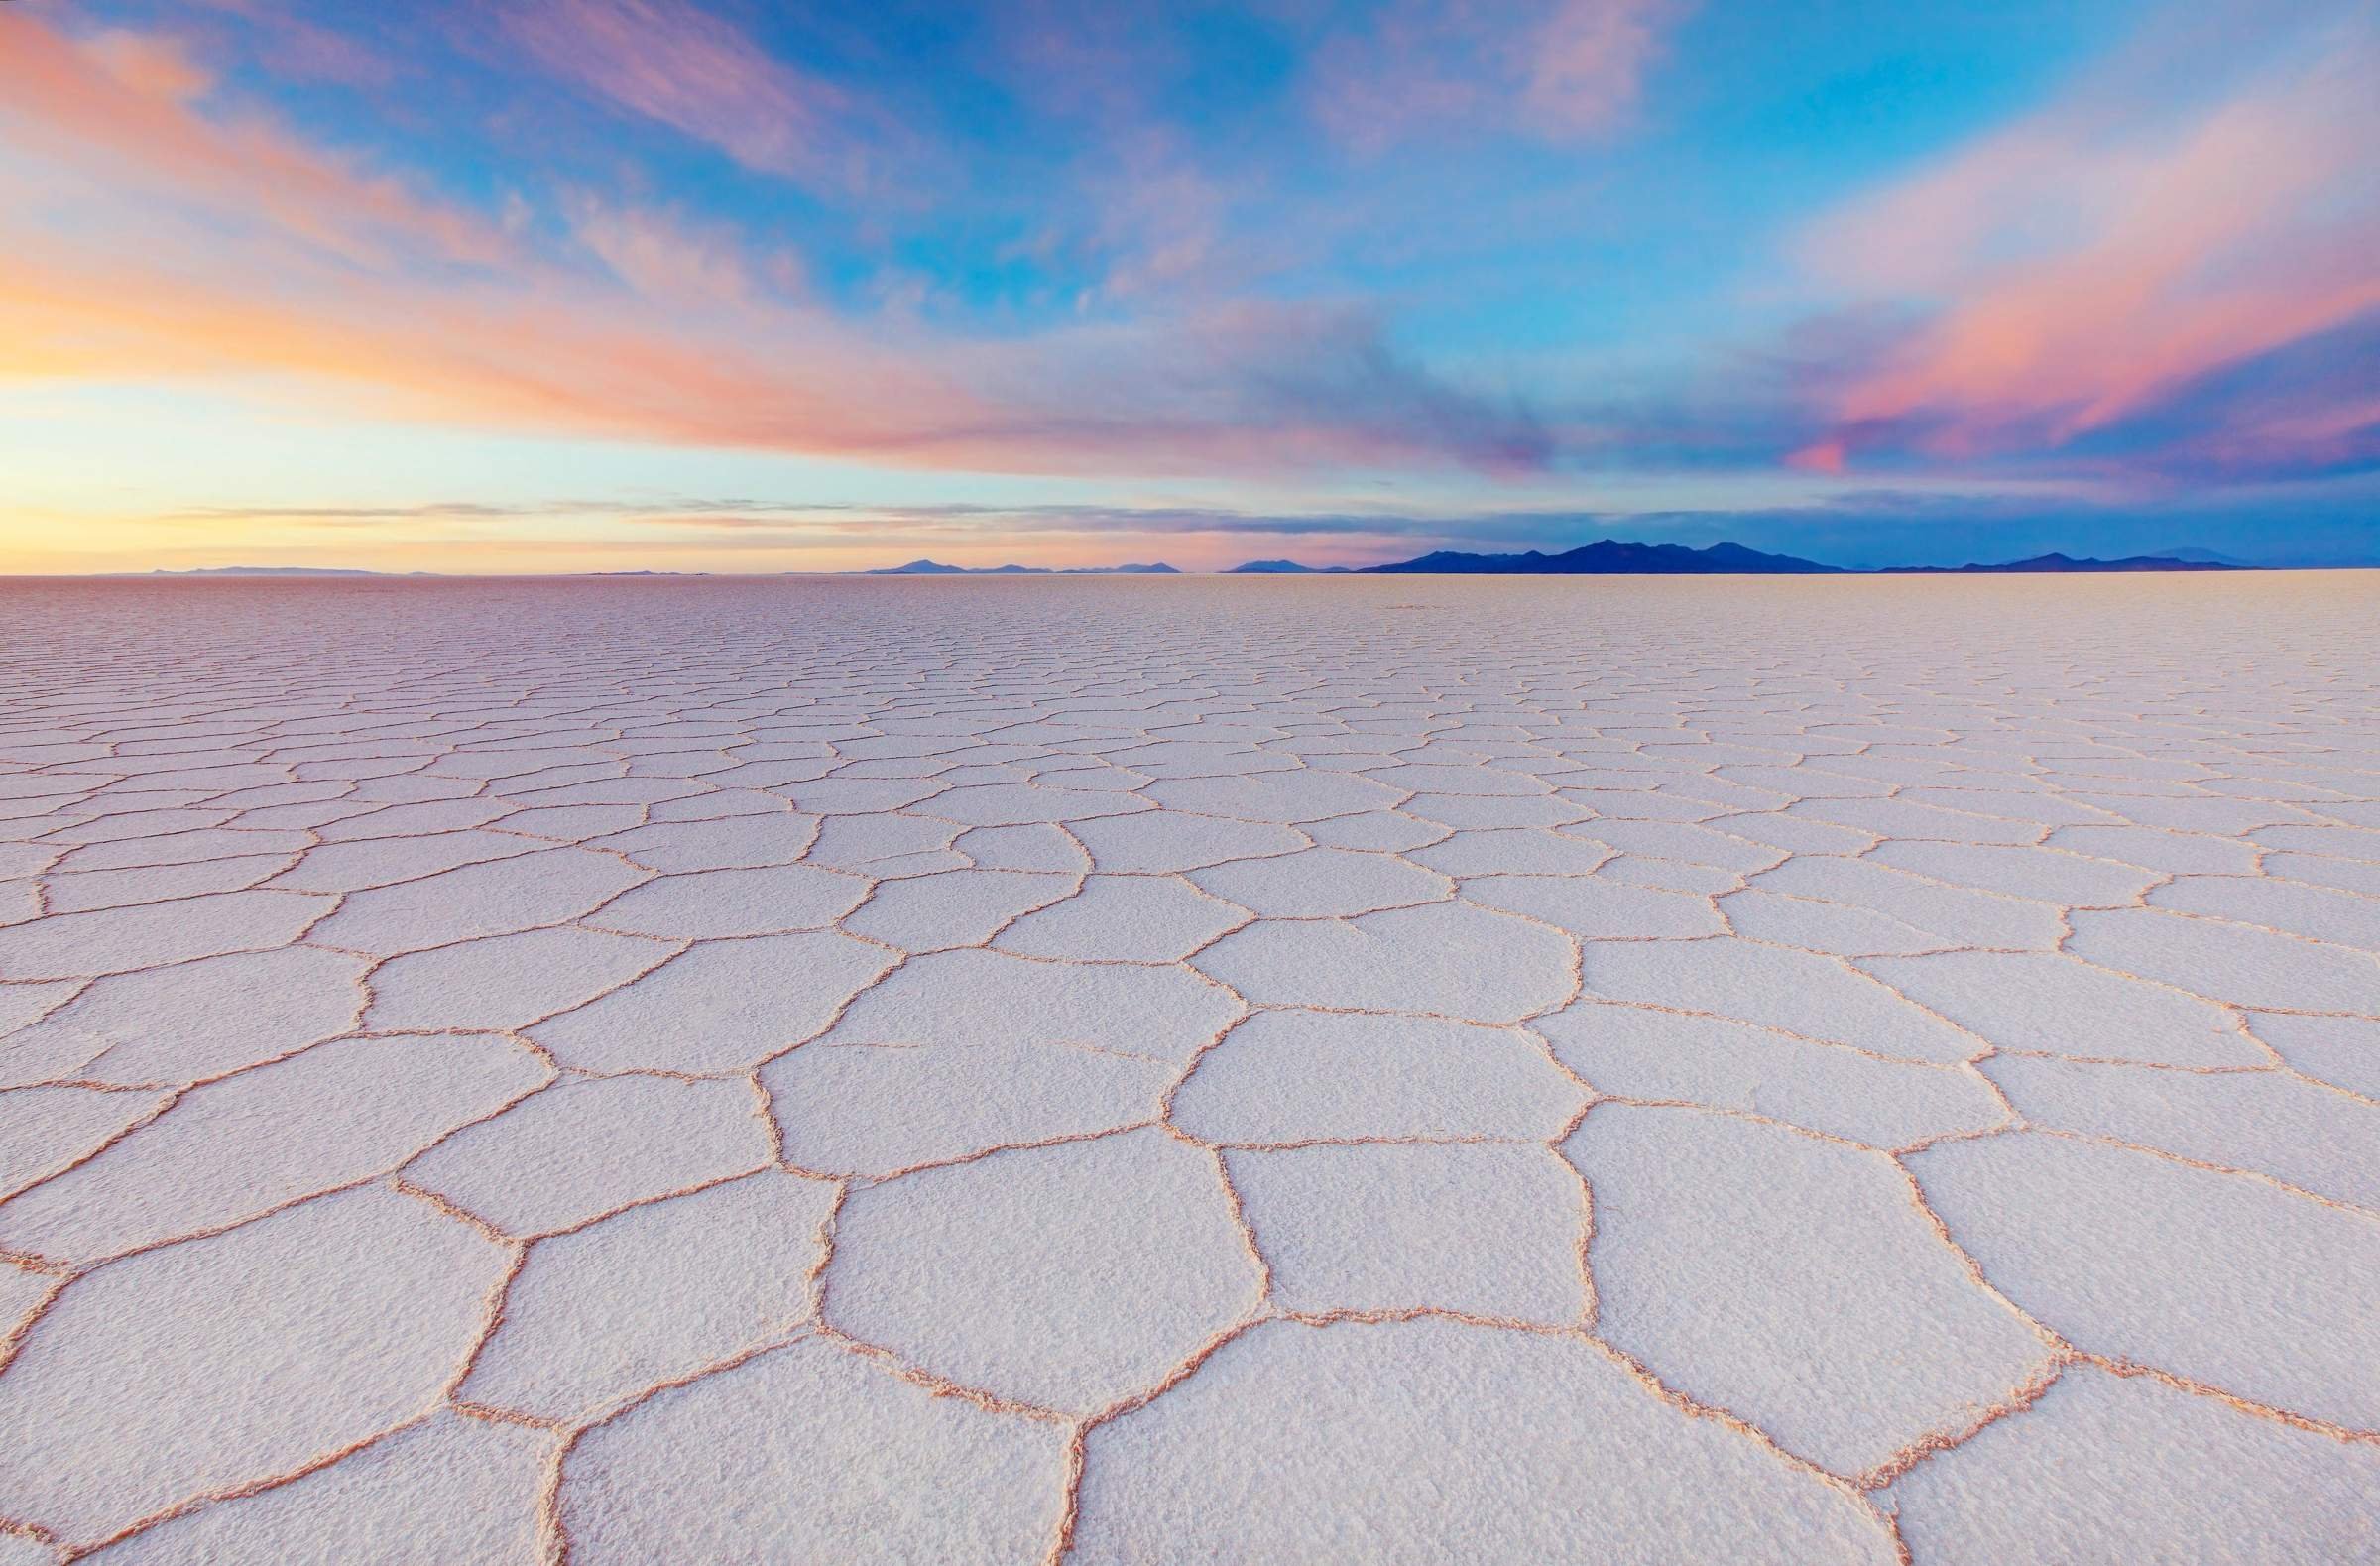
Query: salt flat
{"points": [[1369, 1071]]}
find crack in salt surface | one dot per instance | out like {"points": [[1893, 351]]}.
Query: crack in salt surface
{"points": [[1120, 741]]}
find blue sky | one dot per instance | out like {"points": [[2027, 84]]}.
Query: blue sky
{"points": [[555, 285]]}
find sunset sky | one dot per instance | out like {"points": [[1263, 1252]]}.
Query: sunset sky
{"points": [[580, 284]]}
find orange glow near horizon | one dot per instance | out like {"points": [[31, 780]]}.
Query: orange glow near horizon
{"points": [[614, 284]]}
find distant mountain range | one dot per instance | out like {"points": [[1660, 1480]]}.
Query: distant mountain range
{"points": [[1610, 557], [2199, 556], [1284, 568], [2067, 563], [272, 570], [1604, 558], [937, 568]]}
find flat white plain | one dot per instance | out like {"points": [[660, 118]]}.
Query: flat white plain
{"points": [[1118, 1070]]}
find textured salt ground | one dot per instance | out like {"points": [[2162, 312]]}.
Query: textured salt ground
{"points": [[1147, 1071]]}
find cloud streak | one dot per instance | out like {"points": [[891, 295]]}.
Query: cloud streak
{"points": [[2091, 265], [279, 259], [1560, 70], [125, 107], [1450, 256], [676, 64]]}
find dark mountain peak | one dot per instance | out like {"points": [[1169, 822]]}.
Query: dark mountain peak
{"points": [[1613, 557], [1603, 557], [2055, 564], [937, 568], [2192, 555], [918, 568], [266, 570]]}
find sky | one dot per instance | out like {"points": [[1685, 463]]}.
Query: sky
{"points": [[528, 285]]}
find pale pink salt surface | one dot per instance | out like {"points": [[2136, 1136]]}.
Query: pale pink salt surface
{"points": [[1378, 1069]]}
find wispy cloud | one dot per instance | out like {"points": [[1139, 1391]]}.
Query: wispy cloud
{"points": [[292, 45], [672, 62], [127, 107], [420, 309], [1557, 69], [2095, 262], [1458, 257], [676, 261]]}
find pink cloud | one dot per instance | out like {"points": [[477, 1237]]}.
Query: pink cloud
{"points": [[292, 45], [2101, 255], [1098, 59], [127, 105], [148, 64], [672, 62], [1588, 61], [202, 246], [1562, 69], [671, 261], [1159, 221]]}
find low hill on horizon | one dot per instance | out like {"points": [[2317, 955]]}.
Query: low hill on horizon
{"points": [[1604, 558], [2069, 563], [937, 568], [1611, 558], [1284, 568], [275, 571]]}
